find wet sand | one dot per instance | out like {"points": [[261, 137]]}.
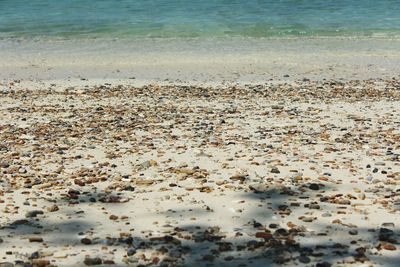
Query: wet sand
{"points": [[197, 61], [302, 173]]}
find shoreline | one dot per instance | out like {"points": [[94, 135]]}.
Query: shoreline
{"points": [[200, 61]]}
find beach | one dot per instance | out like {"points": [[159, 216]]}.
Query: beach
{"points": [[244, 152], [210, 61]]}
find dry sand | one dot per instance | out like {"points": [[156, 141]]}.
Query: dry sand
{"points": [[302, 172]]}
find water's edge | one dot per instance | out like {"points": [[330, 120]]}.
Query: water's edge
{"points": [[200, 60]]}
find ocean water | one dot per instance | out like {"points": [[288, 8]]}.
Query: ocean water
{"points": [[197, 18]]}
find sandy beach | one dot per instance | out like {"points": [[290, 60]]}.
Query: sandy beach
{"points": [[210, 61], [196, 154]]}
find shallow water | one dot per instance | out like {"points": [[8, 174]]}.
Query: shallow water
{"points": [[194, 18]]}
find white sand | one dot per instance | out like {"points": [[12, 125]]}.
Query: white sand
{"points": [[312, 132], [199, 61]]}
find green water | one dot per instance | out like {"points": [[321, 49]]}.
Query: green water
{"points": [[194, 18]]}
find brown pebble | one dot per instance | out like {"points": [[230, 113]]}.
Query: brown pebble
{"points": [[86, 241], [79, 182], [53, 208], [389, 247], [343, 202], [264, 235], [113, 217], [92, 261], [40, 262], [35, 239]]}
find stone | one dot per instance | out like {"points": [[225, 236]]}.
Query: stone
{"points": [[131, 251], [264, 235], [92, 261], [385, 234], [4, 164], [149, 163], [281, 232], [34, 255], [369, 178], [40, 262], [145, 182], [314, 206], [79, 182], [113, 217], [52, 208], [323, 264], [36, 239], [388, 225], [343, 202], [389, 247], [240, 178], [275, 170], [33, 213], [307, 219], [113, 199], [304, 259], [42, 186], [314, 186], [273, 225], [353, 232], [86, 241]]}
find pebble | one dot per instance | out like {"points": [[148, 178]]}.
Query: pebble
{"points": [[92, 261], [40, 262], [113, 217], [131, 251], [389, 247], [33, 213], [353, 232], [275, 170], [264, 235], [314, 186], [304, 259], [35, 239], [92, 153], [343, 202], [86, 241], [307, 219], [53, 208], [314, 206]]}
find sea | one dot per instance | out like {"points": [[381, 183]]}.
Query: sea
{"points": [[198, 18]]}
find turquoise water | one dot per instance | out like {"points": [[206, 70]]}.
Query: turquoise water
{"points": [[197, 18]]}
